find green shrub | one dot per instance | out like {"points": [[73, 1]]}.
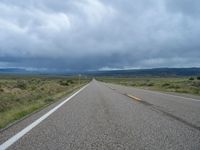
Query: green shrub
{"points": [[191, 78], [165, 84], [1, 90], [142, 84], [70, 81], [196, 90], [150, 84], [196, 84], [3, 107], [133, 84], [49, 99], [21, 84], [174, 87], [64, 83], [198, 78], [33, 88]]}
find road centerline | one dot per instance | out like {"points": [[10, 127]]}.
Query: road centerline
{"points": [[133, 97]]}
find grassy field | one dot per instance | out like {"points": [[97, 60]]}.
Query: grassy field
{"points": [[189, 85], [21, 95]]}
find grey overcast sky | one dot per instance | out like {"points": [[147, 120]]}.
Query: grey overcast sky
{"points": [[99, 34]]}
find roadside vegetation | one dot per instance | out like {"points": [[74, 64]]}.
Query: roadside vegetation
{"points": [[190, 85], [21, 95]]}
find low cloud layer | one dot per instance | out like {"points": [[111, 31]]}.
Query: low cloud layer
{"points": [[99, 34]]}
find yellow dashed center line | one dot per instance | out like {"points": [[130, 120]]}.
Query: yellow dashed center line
{"points": [[134, 97]]}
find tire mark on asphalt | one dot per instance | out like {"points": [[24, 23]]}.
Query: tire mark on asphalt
{"points": [[157, 109]]}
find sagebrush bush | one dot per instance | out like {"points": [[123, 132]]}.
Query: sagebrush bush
{"points": [[165, 84], [64, 83], [1, 89], [150, 84], [191, 78], [196, 84], [70, 81], [21, 84], [49, 99]]}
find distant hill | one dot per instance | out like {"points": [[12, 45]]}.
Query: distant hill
{"points": [[132, 72], [12, 70], [20, 71], [151, 72]]}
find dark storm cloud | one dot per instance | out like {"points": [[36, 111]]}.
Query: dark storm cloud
{"points": [[99, 34]]}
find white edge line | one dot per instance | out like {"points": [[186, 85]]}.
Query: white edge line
{"points": [[20, 134]]}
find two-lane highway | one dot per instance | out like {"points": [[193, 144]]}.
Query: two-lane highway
{"points": [[102, 116]]}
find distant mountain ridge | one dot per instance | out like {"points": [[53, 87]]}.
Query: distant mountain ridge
{"points": [[132, 72], [153, 72], [12, 70]]}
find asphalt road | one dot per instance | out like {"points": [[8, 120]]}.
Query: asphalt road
{"points": [[102, 116]]}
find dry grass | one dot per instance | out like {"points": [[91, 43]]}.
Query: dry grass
{"points": [[168, 84], [21, 95]]}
